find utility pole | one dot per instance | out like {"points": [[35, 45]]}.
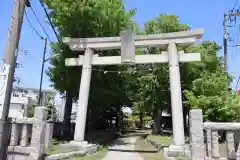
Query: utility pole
{"points": [[225, 36], [9, 58], [225, 41], [41, 79]]}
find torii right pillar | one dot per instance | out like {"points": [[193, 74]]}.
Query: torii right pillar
{"points": [[176, 95]]}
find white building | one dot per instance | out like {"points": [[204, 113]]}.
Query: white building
{"points": [[60, 106], [21, 96]]}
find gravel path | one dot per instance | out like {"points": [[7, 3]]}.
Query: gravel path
{"points": [[123, 149]]}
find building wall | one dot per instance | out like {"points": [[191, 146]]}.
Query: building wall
{"points": [[3, 78], [21, 96], [15, 111], [61, 107]]}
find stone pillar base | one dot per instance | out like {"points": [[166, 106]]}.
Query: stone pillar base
{"points": [[83, 145], [179, 151]]}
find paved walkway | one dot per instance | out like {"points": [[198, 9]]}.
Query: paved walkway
{"points": [[123, 149]]}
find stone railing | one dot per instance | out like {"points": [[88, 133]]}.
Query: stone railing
{"points": [[30, 137], [208, 147], [204, 140]]}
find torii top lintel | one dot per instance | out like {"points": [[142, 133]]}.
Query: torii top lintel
{"points": [[155, 40]]}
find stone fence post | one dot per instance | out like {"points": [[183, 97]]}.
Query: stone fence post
{"points": [[237, 143], [15, 134], [38, 132], [48, 134], [196, 134]]}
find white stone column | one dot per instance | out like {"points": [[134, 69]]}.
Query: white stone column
{"points": [[230, 144], [196, 134], [215, 144], [176, 95], [82, 103], [24, 137]]}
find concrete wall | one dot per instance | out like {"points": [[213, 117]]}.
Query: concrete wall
{"points": [[37, 129], [15, 110]]}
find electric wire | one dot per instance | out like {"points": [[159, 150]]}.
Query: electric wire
{"points": [[233, 22], [39, 22], [34, 29], [236, 3], [44, 30], [49, 19]]}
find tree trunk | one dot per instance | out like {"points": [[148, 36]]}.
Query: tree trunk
{"points": [[68, 110], [185, 114], [67, 131], [157, 120], [185, 118], [121, 125], [141, 120], [117, 123]]}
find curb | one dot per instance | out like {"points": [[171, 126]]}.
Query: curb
{"points": [[157, 145], [91, 150]]}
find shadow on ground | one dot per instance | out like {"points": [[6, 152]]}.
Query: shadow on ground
{"points": [[108, 138], [137, 151], [102, 138], [119, 142], [135, 134]]}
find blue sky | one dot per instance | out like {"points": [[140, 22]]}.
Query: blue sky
{"points": [[207, 14]]}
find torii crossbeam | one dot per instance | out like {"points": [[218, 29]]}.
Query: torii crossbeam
{"points": [[127, 43]]}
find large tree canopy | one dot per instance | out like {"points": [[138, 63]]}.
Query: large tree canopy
{"points": [[91, 18], [205, 84]]}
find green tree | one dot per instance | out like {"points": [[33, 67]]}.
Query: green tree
{"points": [[28, 110], [204, 83], [51, 109], [74, 18], [151, 81], [210, 86]]}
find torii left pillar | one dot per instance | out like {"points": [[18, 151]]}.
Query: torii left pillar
{"points": [[83, 94]]}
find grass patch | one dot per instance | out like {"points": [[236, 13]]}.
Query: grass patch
{"points": [[144, 147], [57, 148], [102, 138], [164, 140], [97, 156]]}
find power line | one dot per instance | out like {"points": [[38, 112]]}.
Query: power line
{"points": [[48, 17], [41, 37], [32, 25], [40, 24], [235, 5], [45, 10], [36, 16], [232, 34]]}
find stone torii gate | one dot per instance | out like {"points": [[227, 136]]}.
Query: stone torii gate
{"points": [[127, 43]]}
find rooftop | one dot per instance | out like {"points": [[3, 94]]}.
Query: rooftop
{"points": [[34, 89]]}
